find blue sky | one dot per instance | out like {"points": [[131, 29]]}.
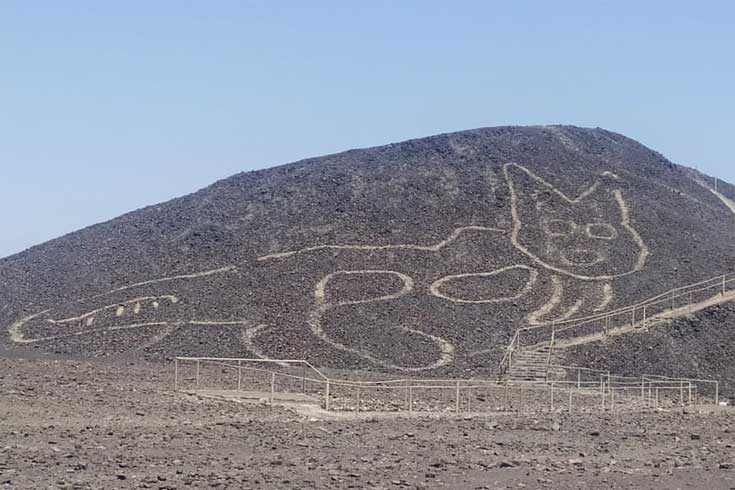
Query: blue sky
{"points": [[110, 106]]}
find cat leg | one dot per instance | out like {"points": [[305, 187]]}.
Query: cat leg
{"points": [[560, 306], [354, 327]]}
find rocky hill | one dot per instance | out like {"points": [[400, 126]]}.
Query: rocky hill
{"points": [[422, 256]]}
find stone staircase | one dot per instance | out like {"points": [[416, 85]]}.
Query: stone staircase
{"points": [[534, 365], [538, 361]]}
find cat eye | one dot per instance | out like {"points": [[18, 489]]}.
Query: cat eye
{"points": [[559, 227], [602, 231]]}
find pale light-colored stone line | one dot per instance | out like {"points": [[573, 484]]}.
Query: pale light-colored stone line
{"points": [[171, 298], [608, 295], [518, 224], [446, 349], [229, 268], [406, 246], [557, 294], [248, 338], [20, 339], [435, 288], [320, 290]]}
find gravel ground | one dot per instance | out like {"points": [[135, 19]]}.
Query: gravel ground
{"points": [[117, 424]]}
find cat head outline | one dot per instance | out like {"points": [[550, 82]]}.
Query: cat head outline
{"points": [[589, 237]]}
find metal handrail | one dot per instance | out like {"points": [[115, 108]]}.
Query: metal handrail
{"points": [[608, 382], [719, 282]]}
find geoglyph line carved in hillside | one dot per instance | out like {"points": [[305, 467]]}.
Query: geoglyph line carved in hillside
{"points": [[557, 295], [539, 317], [322, 306], [405, 246], [248, 338], [565, 263], [121, 309], [435, 288], [608, 295], [19, 338], [592, 230], [195, 275]]}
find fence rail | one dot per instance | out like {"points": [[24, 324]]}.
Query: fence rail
{"points": [[299, 381], [657, 308]]}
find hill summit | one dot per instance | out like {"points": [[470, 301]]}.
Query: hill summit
{"points": [[422, 256]]}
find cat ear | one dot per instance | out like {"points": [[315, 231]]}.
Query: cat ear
{"points": [[525, 185]]}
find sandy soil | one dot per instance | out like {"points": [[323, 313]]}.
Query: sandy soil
{"points": [[117, 424]]}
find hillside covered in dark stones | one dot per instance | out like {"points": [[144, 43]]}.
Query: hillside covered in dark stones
{"points": [[422, 256]]}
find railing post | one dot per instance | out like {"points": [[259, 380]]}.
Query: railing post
{"points": [[273, 385], [602, 394], [717, 393], [723, 285], [326, 396], [239, 375], [579, 378], [657, 397], [456, 405], [633, 321], [551, 395], [469, 399], [644, 316], [410, 399], [612, 401], [681, 392], [358, 398], [197, 374], [690, 393], [176, 374]]}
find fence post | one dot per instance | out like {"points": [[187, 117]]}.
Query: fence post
{"points": [[633, 324], [358, 398], [612, 401], [273, 385], [656, 397], [681, 392], [723, 285], [717, 393], [579, 378], [303, 379], [690, 392], [239, 375], [552, 396], [326, 396], [197, 374], [410, 399], [457, 398], [644, 316], [176, 374], [602, 394]]}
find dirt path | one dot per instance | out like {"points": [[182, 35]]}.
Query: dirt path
{"points": [[72, 424]]}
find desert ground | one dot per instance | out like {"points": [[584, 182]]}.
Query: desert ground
{"points": [[118, 423]]}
